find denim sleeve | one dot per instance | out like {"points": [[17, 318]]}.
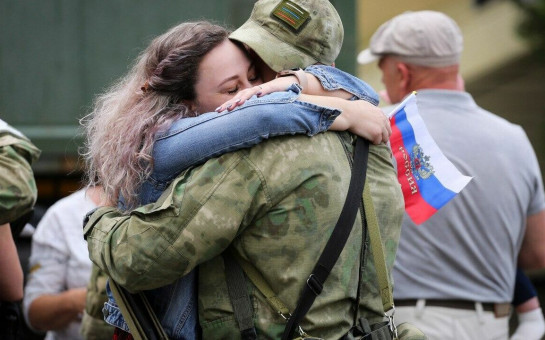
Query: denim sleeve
{"points": [[332, 78], [192, 141]]}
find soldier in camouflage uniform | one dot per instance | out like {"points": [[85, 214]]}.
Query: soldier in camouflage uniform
{"points": [[17, 186], [275, 205], [17, 197]]}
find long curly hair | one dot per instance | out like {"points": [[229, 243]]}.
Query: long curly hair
{"points": [[121, 127]]}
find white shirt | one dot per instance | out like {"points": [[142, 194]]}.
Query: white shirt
{"points": [[59, 257]]}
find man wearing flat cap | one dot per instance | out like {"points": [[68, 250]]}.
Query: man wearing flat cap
{"points": [[454, 274]]}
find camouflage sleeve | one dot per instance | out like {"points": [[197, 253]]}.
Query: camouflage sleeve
{"points": [[160, 242], [17, 186]]}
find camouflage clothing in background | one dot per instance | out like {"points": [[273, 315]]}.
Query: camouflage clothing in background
{"points": [[276, 205], [17, 186]]}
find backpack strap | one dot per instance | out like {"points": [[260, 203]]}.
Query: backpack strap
{"points": [[240, 299], [377, 250], [137, 312], [259, 281]]}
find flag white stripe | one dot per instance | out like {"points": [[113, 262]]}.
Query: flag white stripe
{"points": [[446, 172]]}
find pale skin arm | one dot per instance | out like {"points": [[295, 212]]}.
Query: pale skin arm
{"points": [[56, 311], [532, 252], [11, 273], [359, 117]]}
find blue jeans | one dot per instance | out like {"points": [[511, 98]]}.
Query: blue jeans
{"points": [[176, 311]]}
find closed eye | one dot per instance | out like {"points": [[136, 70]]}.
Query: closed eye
{"points": [[233, 91]]}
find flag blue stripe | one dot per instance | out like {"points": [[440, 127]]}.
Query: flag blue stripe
{"points": [[431, 189], [290, 12]]}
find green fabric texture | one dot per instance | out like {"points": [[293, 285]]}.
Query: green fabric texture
{"points": [[93, 325], [18, 191], [276, 204]]}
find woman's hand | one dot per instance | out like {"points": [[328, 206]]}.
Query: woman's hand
{"points": [[365, 120], [275, 85], [358, 116]]}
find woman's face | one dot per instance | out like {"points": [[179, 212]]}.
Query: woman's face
{"points": [[223, 72]]}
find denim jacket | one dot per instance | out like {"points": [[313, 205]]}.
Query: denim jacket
{"points": [[192, 141]]}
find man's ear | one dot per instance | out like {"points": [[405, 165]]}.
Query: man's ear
{"points": [[404, 76]]}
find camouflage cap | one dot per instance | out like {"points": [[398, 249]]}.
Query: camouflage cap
{"points": [[293, 33]]}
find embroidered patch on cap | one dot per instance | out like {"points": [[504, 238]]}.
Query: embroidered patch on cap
{"points": [[291, 14]]}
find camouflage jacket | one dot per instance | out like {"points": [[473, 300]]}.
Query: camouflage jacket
{"points": [[276, 205], [17, 186]]}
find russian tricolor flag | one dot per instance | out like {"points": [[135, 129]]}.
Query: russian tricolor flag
{"points": [[428, 179]]}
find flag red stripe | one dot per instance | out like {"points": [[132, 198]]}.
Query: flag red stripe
{"points": [[410, 189], [286, 17], [416, 207], [419, 210]]}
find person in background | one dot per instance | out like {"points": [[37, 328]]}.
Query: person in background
{"points": [[454, 274], [60, 268], [531, 324], [18, 194]]}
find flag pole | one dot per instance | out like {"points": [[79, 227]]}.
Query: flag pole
{"points": [[402, 104]]}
